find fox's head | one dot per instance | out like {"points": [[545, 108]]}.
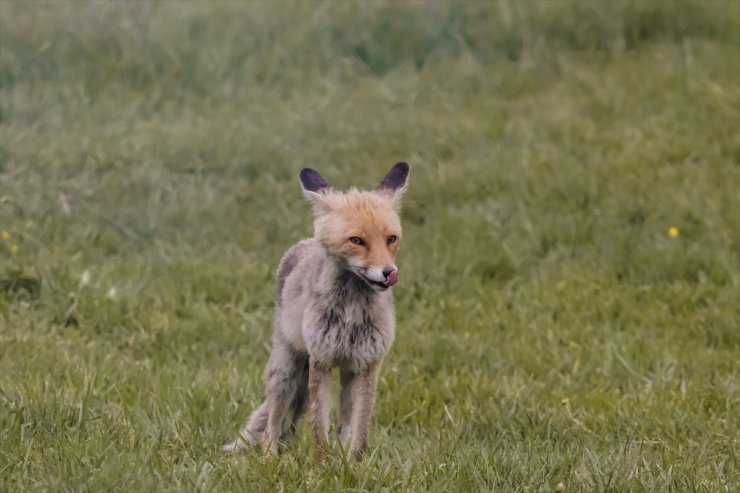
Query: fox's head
{"points": [[360, 228]]}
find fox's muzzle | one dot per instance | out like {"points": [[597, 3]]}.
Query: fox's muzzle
{"points": [[391, 278]]}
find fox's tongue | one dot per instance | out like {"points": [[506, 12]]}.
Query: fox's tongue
{"points": [[392, 278]]}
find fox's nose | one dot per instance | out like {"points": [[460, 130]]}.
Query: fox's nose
{"points": [[391, 276]]}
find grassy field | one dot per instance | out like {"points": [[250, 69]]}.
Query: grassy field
{"points": [[552, 327]]}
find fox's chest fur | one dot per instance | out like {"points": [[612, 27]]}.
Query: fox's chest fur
{"points": [[330, 314], [349, 326]]}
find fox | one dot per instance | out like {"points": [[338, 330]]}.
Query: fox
{"points": [[334, 309]]}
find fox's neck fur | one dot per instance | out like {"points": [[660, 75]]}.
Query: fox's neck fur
{"points": [[338, 280]]}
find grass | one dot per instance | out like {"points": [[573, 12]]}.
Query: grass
{"points": [[549, 328]]}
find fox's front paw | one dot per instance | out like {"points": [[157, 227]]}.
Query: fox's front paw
{"points": [[359, 452], [344, 436], [319, 454], [269, 447]]}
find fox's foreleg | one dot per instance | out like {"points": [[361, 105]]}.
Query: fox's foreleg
{"points": [[344, 430], [361, 389]]}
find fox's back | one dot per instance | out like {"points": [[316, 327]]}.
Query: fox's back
{"points": [[302, 250]]}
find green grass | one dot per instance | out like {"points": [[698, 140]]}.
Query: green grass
{"points": [[549, 328]]}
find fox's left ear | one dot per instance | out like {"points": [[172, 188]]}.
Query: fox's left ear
{"points": [[395, 182]]}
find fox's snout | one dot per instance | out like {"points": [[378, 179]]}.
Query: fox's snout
{"points": [[391, 276]]}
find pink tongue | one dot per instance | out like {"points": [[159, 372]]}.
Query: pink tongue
{"points": [[392, 278]]}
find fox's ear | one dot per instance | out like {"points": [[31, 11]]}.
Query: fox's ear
{"points": [[312, 181], [395, 182], [314, 188]]}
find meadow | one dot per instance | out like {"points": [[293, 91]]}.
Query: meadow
{"points": [[568, 305]]}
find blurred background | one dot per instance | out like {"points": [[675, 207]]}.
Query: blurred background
{"points": [[569, 274]]}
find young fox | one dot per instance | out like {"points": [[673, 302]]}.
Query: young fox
{"points": [[334, 309]]}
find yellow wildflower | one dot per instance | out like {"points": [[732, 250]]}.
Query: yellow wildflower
{"points": [[673, 232], [13, 248], [4, 233]]}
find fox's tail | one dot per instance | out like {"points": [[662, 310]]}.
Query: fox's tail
{"points": [[251, 433]]}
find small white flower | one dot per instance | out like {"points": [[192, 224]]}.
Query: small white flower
{"points": [[111, 294]]}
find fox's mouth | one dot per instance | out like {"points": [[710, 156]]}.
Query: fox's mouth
{"points": [[373, 284], [380, 285]]}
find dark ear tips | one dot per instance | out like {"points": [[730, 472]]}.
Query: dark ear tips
{"points": [[312, 181], [396, 177]]}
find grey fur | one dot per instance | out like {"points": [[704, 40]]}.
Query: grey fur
{"points": [[326, 317]]}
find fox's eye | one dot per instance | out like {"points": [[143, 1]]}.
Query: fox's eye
{"points": [[357, 240], [392, 239]]}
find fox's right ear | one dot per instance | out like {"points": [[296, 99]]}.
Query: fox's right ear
{"points": [[396, 182], [315, 188]]}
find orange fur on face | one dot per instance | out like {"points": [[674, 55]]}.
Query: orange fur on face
{"points": [[371, 216]]}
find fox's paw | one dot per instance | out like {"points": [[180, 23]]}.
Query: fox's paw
{"points": [[269, 447], [319, 454]]}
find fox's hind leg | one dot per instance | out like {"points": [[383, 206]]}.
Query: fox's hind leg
{"points": [[299, 406], [284, 380]]}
